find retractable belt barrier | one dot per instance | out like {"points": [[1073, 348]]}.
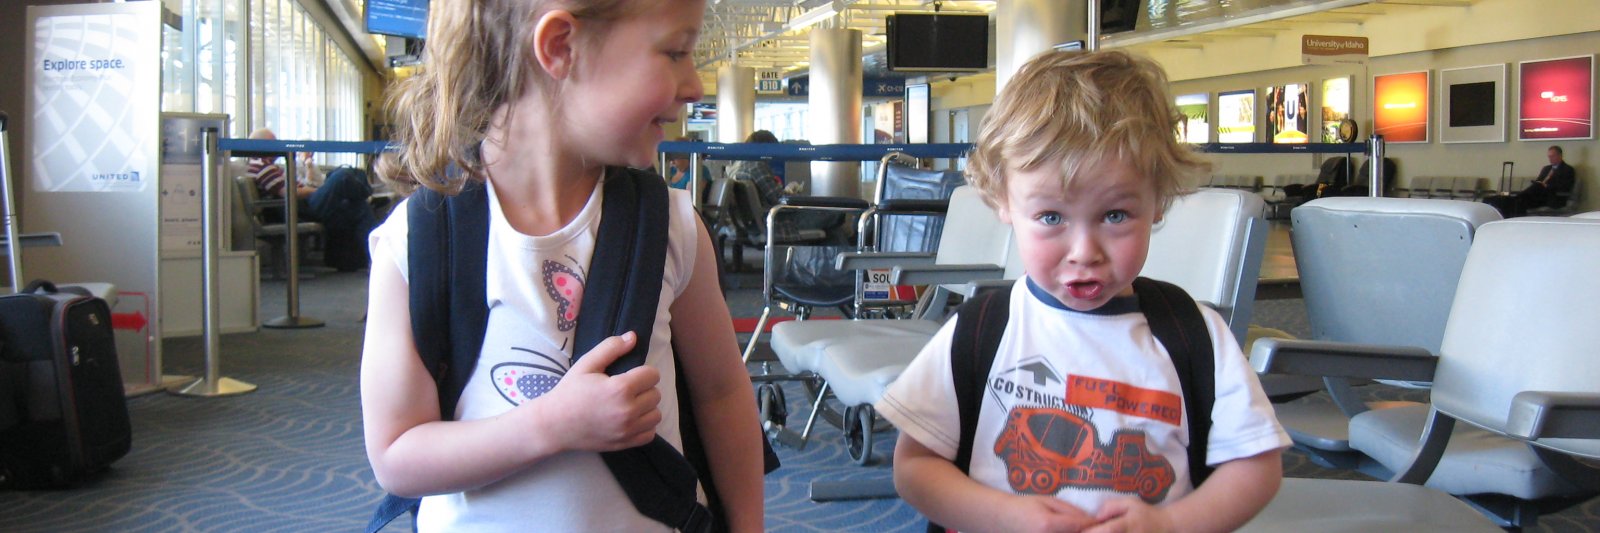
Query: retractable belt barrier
{"points": [[266, 148]]}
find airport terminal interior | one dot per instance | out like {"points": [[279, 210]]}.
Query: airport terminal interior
{"points": [[1421, 321]]}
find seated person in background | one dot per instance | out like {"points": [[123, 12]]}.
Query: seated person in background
{"points": [[678, 175], [340, 203], [770, 190], [1332, 178], [1078, 156], [1557, 177], [760, 173]]}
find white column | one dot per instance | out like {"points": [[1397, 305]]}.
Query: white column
{"points": [[835, 107], [1024, 28], [736, 103]]}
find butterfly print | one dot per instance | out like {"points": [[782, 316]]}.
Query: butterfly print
{"points": [[565, 286], [520, 382]]}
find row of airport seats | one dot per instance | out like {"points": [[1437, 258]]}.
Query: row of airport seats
{"points": [[1322, 504], [1443, 187], [1489, 314]]}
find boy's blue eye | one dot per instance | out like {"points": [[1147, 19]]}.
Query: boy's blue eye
{"points": [[677, 56], [1117, 217], [1048, 219]]}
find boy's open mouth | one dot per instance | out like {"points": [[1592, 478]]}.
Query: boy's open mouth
{"points": [[1084, 290]]}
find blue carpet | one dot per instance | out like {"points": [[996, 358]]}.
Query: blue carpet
{"points": [[289, 456]]}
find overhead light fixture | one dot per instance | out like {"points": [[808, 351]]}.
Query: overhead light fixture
{"points": [[814, 15]]}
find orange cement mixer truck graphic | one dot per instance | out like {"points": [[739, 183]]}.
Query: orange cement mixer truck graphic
{"points": [[1045, 449]]}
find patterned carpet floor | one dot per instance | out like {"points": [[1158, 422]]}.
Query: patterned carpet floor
{"points": [[289, 456]]}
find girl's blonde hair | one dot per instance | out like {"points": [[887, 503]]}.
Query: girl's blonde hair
{"points": [[1077, 109], [479, 57]]}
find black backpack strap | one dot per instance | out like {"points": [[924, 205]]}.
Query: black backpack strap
{"points": [[980, 324], [633, 249], [447, 319], [1175, 320]]}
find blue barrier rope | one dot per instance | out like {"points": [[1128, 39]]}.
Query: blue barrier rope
{"points": [[261, 147], [769, 151], [810, 152], [874, 152], [1269, 148]]}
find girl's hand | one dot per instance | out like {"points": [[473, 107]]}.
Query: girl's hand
{"points": [[591, 411], [1043, 514], [1131, 515]]}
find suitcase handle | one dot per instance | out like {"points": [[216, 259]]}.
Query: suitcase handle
{"points": [[40, 286]]}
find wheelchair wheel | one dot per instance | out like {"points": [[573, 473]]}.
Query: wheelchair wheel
{"points": [[858, 434], [774, 409]]}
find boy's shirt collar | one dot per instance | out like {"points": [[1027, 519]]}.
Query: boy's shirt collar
{"points": [[1118, 305]]}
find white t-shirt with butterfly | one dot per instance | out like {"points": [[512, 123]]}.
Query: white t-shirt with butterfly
{"points": [[535, 293]]}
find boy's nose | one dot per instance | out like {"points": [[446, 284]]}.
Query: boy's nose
{"points": [[1084, 249]]}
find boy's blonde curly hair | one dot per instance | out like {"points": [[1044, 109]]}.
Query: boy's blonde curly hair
{"points": [[1076, 109]]}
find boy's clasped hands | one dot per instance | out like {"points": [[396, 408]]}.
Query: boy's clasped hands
{"points": [[1035, 513]]}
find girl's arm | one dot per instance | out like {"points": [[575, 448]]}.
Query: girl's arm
{"points": [[414, 453], [723, 402], [945, 495]]}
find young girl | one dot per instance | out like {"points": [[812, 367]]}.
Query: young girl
{"points": [[536, 98]]}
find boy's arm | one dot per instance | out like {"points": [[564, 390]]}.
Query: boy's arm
{"points": [[1234, 493], [945, 495], [723, 404]]}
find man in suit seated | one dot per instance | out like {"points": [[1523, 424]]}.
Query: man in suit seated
{"points": [[1557, 177]]}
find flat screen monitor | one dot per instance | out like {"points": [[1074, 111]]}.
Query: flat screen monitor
{"points": [[917, 113], [938, 42], [400, 18], [1472, 104]]}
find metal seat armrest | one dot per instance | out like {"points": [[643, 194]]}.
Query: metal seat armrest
{"points": [[874, 260], [1544, 415], [944, 274], [975, 287], [913, 207], [1345, 360], [840, 202]]}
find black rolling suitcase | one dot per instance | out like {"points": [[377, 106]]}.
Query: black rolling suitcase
{"points": [[63, 415]]}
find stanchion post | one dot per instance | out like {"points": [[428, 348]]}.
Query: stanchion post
{"points": [[14, 246], [694, 180], [212, 384], [291, 245], [1375, 162]]}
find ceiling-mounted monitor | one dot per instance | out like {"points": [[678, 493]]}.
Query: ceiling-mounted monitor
{"points": [[938, 42], [399, 18]]}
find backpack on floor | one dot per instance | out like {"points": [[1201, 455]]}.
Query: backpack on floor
{"points": [[63, 415], [1174, 320], [448, 254]]}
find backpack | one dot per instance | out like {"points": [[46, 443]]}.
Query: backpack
{"points": [[1174, 320], [448, 320]]}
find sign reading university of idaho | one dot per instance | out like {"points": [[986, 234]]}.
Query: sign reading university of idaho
{"points": [[1333, 49], [94, 91]]}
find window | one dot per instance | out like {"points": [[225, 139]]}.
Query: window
{"points": [[295, 80]]}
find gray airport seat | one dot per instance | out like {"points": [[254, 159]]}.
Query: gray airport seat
{"points": [[973, 245], [1210, 243], [1373, 271], [1515, 364], [1348, 506]]}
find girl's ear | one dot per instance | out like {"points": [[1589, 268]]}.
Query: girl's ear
{"points": [[553, 39]]}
